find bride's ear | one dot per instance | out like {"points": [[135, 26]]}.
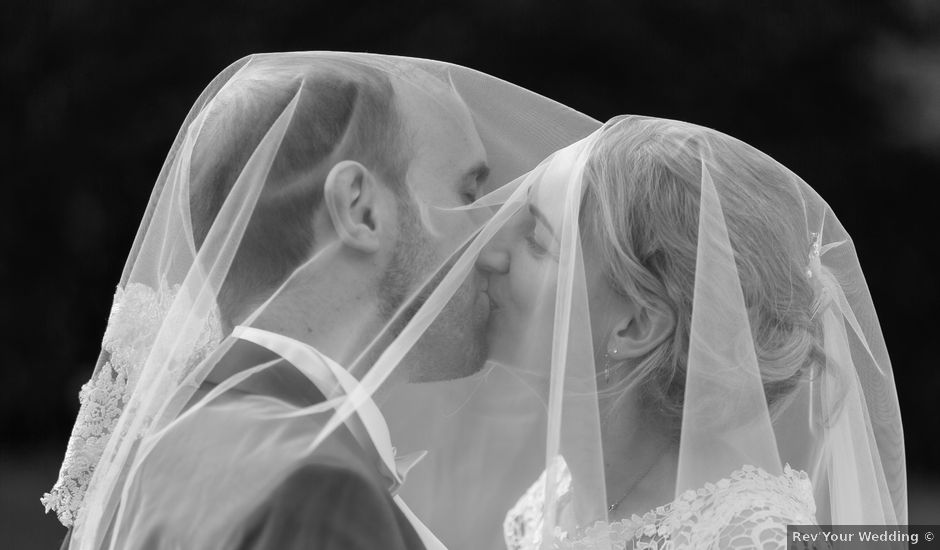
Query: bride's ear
{"points": [[640, 330], [356, 205]]}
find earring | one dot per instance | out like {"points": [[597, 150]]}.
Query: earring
{"points": [[607, 355]]}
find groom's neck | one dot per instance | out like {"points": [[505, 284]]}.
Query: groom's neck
{"points": [[338, 330], [335, 309]]}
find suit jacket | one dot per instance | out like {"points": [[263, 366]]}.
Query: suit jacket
{"points": [[337, 501], [329, 506], [335, 498]]}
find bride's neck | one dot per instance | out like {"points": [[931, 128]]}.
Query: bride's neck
{"points": [[640, 462]]}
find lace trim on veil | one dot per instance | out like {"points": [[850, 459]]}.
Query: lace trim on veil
{"points": [[137, 314], [748, 509]]}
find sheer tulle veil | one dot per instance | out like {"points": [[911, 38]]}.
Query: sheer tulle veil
{"points": [[500, 353], [690, 292], [220, 248]]}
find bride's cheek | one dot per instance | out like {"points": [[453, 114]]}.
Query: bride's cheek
{"points": [[534, 288]]}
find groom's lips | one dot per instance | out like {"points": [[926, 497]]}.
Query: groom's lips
{"points": [[494, 305]]}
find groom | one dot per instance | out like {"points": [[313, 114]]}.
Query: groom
{"points": [[380, 151]]}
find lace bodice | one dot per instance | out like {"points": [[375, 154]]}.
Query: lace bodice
{"points": [[137, 315], [749, 509]]}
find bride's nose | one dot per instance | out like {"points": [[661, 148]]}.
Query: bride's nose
{"points": [[494, 257]]}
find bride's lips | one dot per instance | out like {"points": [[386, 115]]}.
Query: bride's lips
{"points": [[485, 290]]}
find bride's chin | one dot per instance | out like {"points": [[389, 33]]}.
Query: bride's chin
{"points": [[499, 339]]}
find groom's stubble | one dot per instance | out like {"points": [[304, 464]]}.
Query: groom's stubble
{"points": [[454, 345]]}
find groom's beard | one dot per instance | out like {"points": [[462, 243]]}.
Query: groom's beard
{"points": [[454, 345]]}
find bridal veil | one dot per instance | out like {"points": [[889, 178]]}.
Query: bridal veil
{"points": [[226, 236], [775, 361], [770, 377]]}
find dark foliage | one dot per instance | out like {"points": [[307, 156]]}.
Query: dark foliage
{"points": [[95, 90]]}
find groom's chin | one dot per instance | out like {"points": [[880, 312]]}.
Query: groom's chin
{"points": [[456, 362], [455, 345], [452, 358]]}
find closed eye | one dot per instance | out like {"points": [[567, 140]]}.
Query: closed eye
{"points": [[534, 246]]}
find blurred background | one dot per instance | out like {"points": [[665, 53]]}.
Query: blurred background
{"points": [[846, 94]]}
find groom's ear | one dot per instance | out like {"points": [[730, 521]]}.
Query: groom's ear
{"points": [[357, 205], [640, 330]]}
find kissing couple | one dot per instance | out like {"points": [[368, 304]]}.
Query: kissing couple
{"points": [[390, 303]]}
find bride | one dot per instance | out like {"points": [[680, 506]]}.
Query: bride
{"points": [[694, 321]]}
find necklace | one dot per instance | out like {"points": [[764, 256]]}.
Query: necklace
{"points": [[636, 481]]}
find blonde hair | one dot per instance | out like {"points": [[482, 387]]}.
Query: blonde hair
{"points": [[643, 185]]}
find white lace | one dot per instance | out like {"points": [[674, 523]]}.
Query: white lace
{"points": [[137, 313], [749, 509]]}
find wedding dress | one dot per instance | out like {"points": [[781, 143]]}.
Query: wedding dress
{"points": [[749, 509]]}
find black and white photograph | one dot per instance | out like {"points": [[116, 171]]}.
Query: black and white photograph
{"points": [[517, 275]]}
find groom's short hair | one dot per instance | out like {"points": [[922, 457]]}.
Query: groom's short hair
{"points": [[344, 111]]}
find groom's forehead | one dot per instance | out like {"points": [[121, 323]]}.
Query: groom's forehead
{"points": [[441, 128], [429, 102]]}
